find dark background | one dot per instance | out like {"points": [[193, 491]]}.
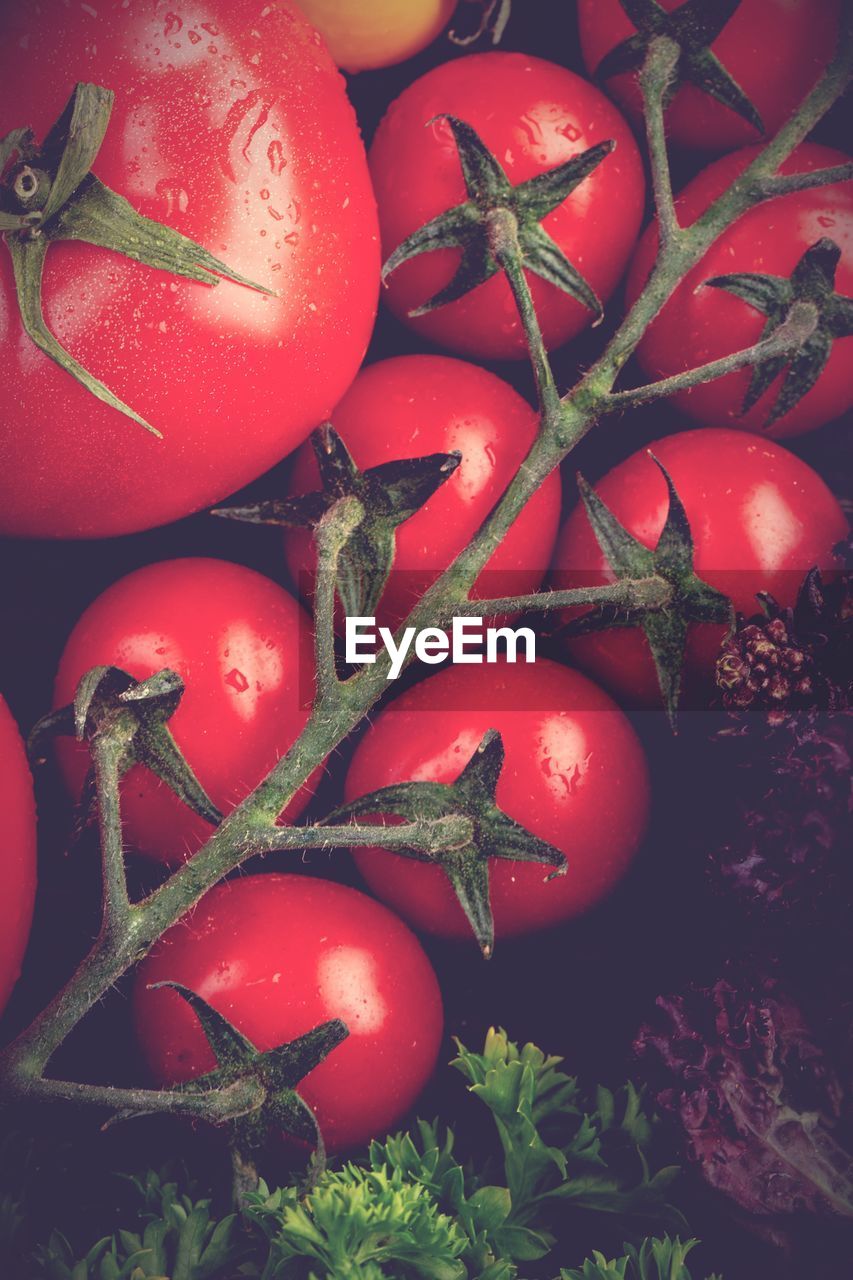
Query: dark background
{"points": [[580, 991]]}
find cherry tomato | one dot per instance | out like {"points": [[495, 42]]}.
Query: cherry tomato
{"points": [[574, 774], [362, 36], [230, 125], [533, 116], [243, 647], [280, 954], [416, 405], [774, 51], [18, 831], [699, 323], [760, 518]]}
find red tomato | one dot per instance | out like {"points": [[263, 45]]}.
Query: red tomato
{"points": [[18, 843], [533, 116], [278, 955], [416, 405], [760, 518], [243, 647], [773, 49], [231, 125], [574, 774], [701, 324]]}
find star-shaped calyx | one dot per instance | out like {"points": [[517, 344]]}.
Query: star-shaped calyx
{"points": [[472, 226], [493, 833], [133, 715], [278, 1072], [389, 494], [48, 193], [693, 26], [665, 625], [813, 281]]}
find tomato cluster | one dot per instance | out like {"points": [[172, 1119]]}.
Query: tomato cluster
{"points": [[231, 125]]}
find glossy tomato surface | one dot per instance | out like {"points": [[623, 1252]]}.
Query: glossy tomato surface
{"points": [[574, 774], [243, 648], [759, 517], [411, 406], [280, 954], [361, 37], [701, 324], [773, 49], [231, 125], [534, 116], [17, 852]]}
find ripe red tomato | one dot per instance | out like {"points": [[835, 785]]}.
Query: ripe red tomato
{"points": [[760, 518], [230, 125], [243, 647], [280, 954], [416, 405], [18, 843], [701, 324], [773, 49], [533, 116], [362, 36], [574, 774]]}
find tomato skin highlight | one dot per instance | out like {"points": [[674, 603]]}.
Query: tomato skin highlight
{"points": [[243, 647], [280, 954], [575, 775], [760, 519], [18, 845], [533, 115], [698, 324], [411, 406], [774, 49], [231, 125], [362, 37]]}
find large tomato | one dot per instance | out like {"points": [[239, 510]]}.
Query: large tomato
{"points": [[362, 36], [699, 323], [416, 405], [18, 845], [280, 954], [574, 774], [773, 50], [243, 647], [760, 518], [533, 116], [231, 125]]}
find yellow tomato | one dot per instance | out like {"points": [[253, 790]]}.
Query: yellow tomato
{"points": [[364, 34]]}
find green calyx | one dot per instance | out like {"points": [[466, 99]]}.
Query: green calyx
{"points": [[693, 27], [665, 624], [812, 281], [132, 717], [277, 1072], [49, 194], [493, 833], [389, 494], [479, 227]]}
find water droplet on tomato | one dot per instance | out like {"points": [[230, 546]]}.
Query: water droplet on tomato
{"points": [[570, 131], [276, 156], [237, 680], [826, 221], [173, 25]]}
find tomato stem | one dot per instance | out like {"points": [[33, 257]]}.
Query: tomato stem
{"points": [[656, 77], [797, 328]]}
